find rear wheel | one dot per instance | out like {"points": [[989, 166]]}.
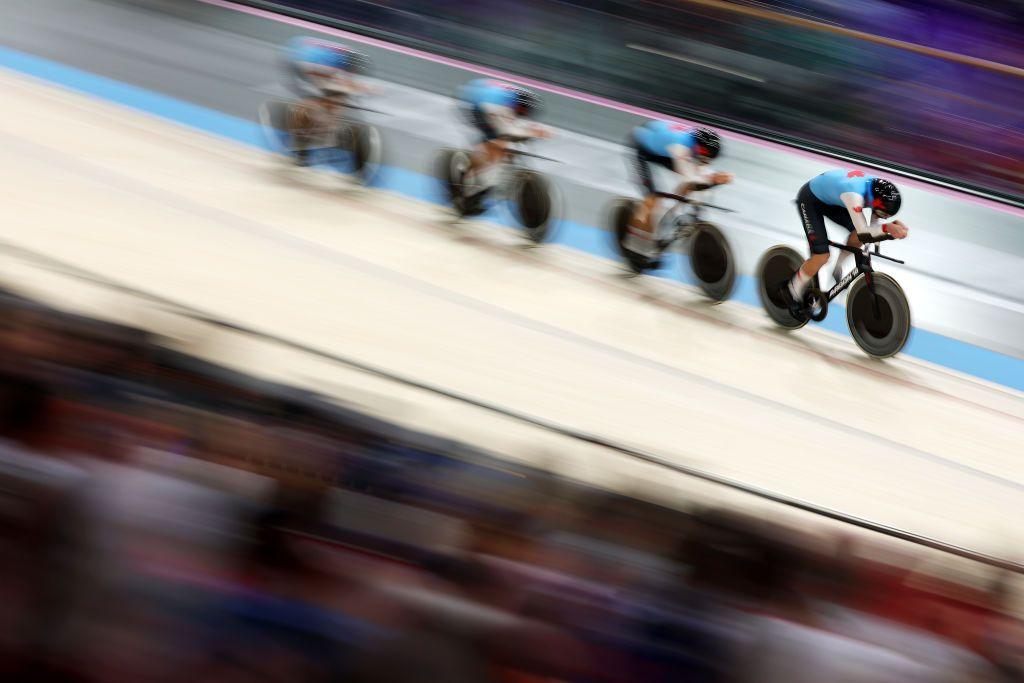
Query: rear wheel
{"points": [[712, 261], [621, 213], [880, 324], [775, 269], [449, 168], [531, 202]]}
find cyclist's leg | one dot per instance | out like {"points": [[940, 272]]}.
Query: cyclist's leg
{"points": [[488, 155], [812, 218], [642, 162], [304, 114], [642, 226], [841, 216]]}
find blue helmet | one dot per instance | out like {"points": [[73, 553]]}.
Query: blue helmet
{"points": [[352, 61]]}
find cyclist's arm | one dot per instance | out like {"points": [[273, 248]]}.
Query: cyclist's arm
{"points": [[339, 82], [362, 87], [854, 203], [506, 123], [315, 69], [876, 229], [686, 166]]}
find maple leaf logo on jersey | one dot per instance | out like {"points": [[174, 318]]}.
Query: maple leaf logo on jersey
{"points": [[855, 174]]}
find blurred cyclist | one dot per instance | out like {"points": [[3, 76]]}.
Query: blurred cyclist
{"points": [[841, 196], [499, 111], [685, 151], [322, 74]]}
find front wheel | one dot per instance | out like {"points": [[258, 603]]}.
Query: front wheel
{"points": [[277, 118], [775, 270], [879, 323], [712, 262], [532, 204]]}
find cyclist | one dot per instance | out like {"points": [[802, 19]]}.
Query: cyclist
{"points": [[322, 74], [841, 196], [500, 112], [681, 149]]}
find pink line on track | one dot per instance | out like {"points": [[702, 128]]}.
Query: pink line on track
{"points": [[593, 99]]}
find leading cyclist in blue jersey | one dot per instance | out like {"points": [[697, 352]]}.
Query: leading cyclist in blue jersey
{"points": [[501, 113], [682, 149], [322, 74], [841, 196]]}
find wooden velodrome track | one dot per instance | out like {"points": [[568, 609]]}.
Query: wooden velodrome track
{"points": [[546, 332]]}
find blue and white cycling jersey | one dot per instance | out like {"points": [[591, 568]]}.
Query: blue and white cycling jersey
{"points": [[317, 68], [485, 91], [659, 137], [830, 186], [305, 51], [492, 109], [850, 189], [671, 145]]}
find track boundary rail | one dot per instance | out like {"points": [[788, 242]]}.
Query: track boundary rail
{"points": [[55, 265], [782, 18]]}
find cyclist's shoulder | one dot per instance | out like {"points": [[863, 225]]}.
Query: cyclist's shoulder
{"points": [[679, 133], [314, 48], [300, 43], [488, 84], [843, 179], [488, 91], [670, 130]]}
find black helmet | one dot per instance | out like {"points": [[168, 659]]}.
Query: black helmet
{"points": [[706, 144], [355, 62], [527, 102], [885, 198]]}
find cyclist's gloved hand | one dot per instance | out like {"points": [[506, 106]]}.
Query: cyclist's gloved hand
{"points": [[540, 130], [896, 230]]}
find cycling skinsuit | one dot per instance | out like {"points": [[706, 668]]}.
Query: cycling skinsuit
{"points": [[652, 142], [483, 96], [821, 198]]}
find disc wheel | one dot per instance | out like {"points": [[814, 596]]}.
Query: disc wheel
{"points": [[449, 167], [273, 117], [712, 262], [776, 268], [881, 330], [359, 146], [620, 214], [531, 202]]}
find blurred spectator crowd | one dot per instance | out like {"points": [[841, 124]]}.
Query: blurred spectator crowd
{"points": [[793, 83], [166, 519]]}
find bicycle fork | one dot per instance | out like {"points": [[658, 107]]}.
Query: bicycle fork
{"points": [[864, 265]]}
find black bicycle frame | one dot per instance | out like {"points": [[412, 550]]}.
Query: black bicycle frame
{"points": [[685, 200], [862, 260], [514, 152], [863, 265], [695, 216]]}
